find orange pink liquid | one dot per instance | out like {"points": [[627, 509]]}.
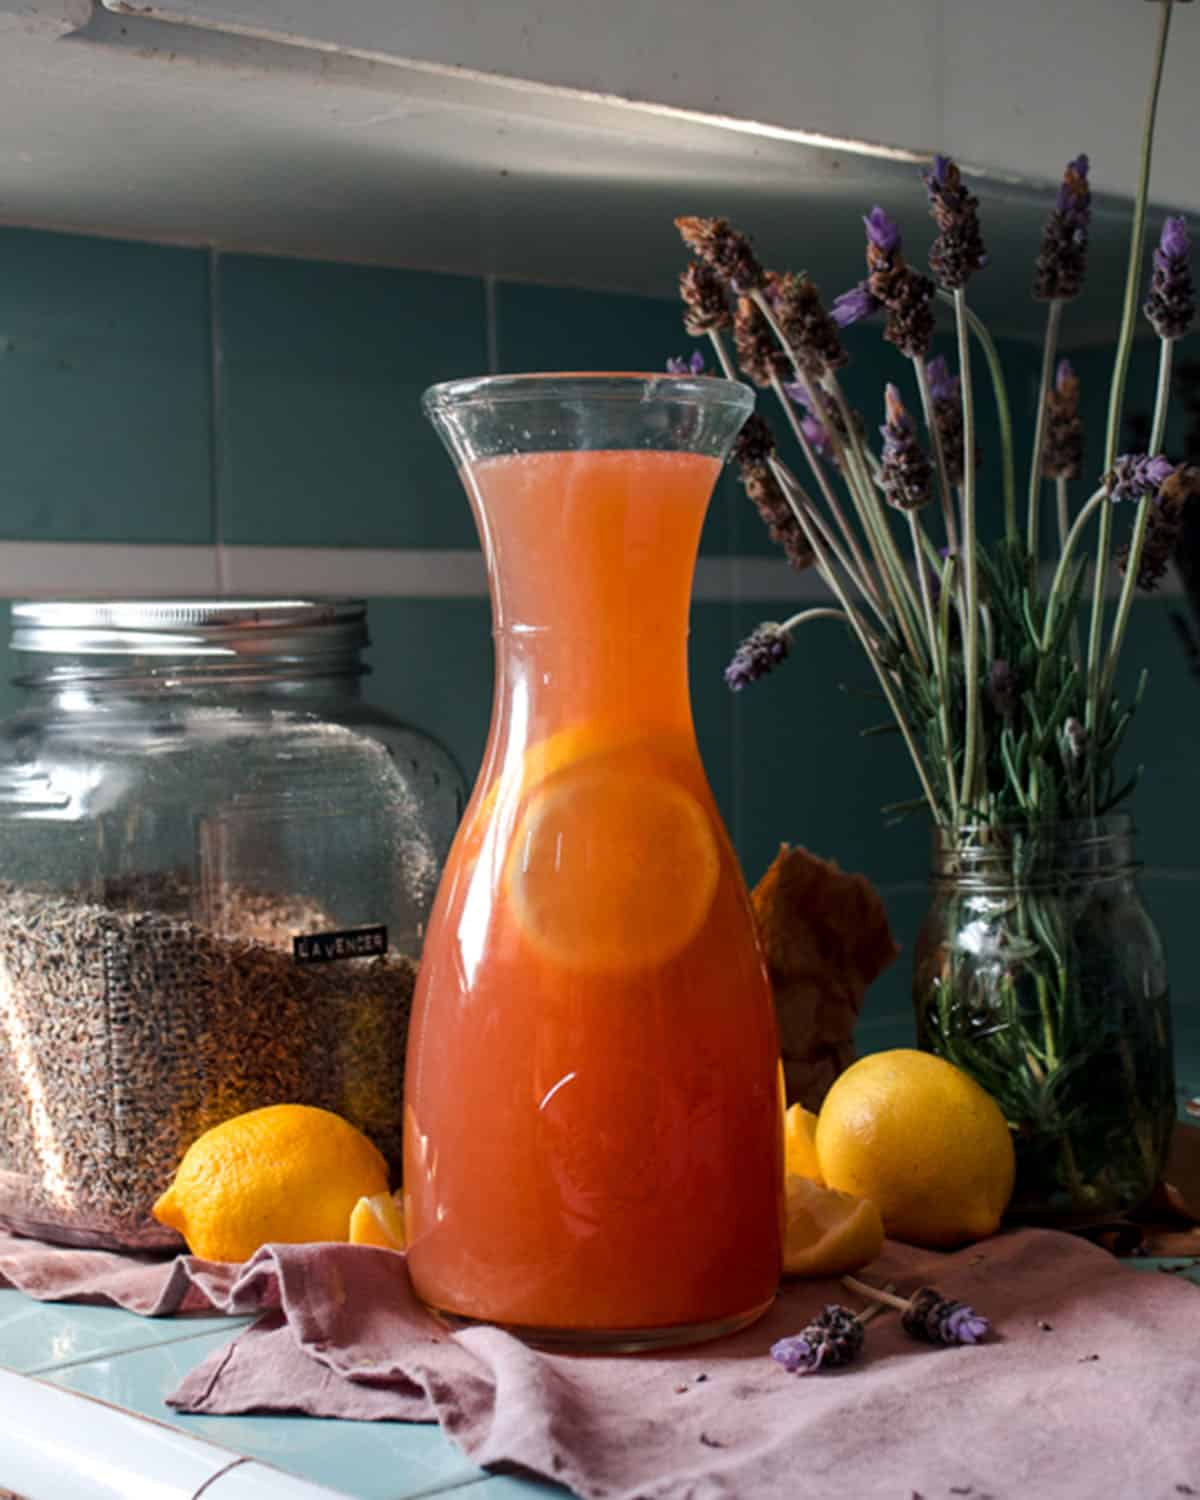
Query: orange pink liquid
{"points": [[592, 1125]]}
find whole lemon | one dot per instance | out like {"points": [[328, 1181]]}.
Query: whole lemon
{"points": [[923, 1141], [288, 1174]]}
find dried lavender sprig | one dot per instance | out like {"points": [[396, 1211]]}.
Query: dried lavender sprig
{"points": [[705, 299], [937, 424], [1171, 305], [761, 652], [935, 1319], [760, 352], [871, 648], [958, 251], [1135, 476], [945, 393], [1062, 259], [847, 455], [905, 474], [927, 1315], [724, 249], [1036, 476], [842, 452], [768, 645], [775, 510], [1062, 452], [806, 329], [833, 1338]]}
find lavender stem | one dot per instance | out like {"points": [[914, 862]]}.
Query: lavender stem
{"points": [[1036, 478], [970, 560], [939, 454], [1099, 497], [1129, 583], [1093, 710], [827, 494], [869, 646], [1003, 415]]}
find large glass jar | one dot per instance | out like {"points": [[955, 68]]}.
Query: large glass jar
{"points": [[1039, 971], [216, 865]]}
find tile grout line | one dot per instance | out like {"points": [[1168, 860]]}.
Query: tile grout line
{"points": [[215, 445], [40, 1372]]}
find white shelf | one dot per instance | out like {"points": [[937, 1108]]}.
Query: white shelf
{"points": [[299, 128]]}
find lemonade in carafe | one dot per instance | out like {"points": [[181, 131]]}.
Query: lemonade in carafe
{"points": [[593, 1133]]}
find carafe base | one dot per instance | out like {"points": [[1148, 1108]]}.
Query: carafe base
{"points": [[612, 1340]]}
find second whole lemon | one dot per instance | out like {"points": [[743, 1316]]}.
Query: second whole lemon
{"points": [[287, 1174], [923, 1141]]}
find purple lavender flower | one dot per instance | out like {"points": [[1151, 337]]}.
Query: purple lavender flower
{"points": [[905, 474], [813, 430], [680, 364], [834, 1337], [852, 306], [939, 1320], [958, 251], [882, 232], [1062, 449], [944, 385], [761, 652], [1137, 474], [1164, 524], [944, 392], [1062, 260], [1171, 305]]}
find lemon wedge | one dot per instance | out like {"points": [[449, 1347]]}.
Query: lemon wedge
{"points": [[800, 1144], [827, 1233], [378, 1220]]}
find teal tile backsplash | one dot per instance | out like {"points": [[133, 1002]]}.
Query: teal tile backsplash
{"points": [[306, 432], [104, 386], [321, 368]]}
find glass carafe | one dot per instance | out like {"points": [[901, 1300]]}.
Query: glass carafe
{"points": [[592, 1129]]}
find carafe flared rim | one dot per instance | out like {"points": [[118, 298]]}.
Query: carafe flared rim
{"points": [[584, 385]]}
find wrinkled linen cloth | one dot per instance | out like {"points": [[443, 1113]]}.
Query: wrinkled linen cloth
{"points": [[1089, 1386]]}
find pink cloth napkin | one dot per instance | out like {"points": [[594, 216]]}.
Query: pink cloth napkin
{"points": [[1089, 1387]]}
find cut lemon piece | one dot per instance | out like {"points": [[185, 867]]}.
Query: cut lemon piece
{"points": [[800, 1144], [564, 748], [378, 1220], [613, 867], [828, 1233]]}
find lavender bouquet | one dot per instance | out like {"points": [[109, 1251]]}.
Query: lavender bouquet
{"points": [[1000, 678]]}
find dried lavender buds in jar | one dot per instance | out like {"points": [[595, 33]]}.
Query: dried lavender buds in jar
{"points": [[127, 1028]]}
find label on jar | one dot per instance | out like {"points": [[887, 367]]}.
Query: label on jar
{"points": [[326, 947]]}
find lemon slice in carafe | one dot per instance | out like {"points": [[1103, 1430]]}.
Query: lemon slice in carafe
{"points": [[614, 867]]}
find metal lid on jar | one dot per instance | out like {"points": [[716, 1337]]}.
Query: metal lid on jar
{"points": [[185, 628]]}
